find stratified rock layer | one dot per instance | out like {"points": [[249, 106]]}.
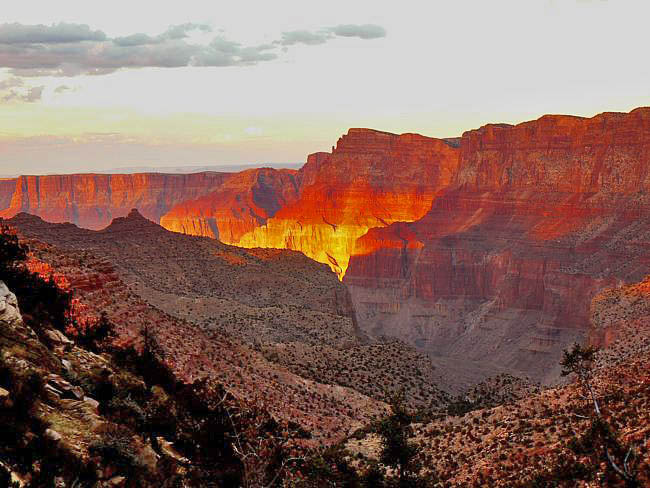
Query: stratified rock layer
{"points": [[244, 202], [93, 200], [371, 179], [7, 189], [502, 269]]}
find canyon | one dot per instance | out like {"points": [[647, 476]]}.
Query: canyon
{"points": [[483, 251]]}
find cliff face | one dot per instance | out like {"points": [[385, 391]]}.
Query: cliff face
{"points": [[371, 179], [245, 201], [502, 269], [92, 201], [7, 189]]}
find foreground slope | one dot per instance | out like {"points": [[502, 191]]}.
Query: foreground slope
{"points": [[278, 305], [117, 272]]}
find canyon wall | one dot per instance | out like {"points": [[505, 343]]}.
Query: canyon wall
{"points": [[370, 179], [93, 200], [485, 250], [7, 189], [502, 270], [242, 203]]}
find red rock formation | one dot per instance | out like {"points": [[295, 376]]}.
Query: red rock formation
{"points": [[370, 179], [92, 200], [245, 201], [538, 219], [7, 189]]}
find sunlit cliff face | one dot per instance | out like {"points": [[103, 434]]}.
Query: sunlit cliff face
{"points": [[371, 179]]}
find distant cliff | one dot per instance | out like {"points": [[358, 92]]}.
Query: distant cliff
{"points": [[7, 189], [242, 203], [93, 200]]}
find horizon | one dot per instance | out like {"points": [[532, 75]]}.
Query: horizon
{"points": [[85, 88], [194, 167]]}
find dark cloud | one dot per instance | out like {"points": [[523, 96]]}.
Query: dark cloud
{"points": [[364, 31], [175, 32], [75, 49]]}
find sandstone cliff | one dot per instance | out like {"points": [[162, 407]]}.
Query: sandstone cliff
{"points": [[370, 179], [502, 269], [7, 189], [93, 200], [245, 201]]}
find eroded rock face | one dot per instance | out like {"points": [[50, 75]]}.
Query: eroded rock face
{"points": [[7, 189], [93, 201], [244, 202], [371, 179], [502, 269]]}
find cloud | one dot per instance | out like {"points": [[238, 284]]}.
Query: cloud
{"points": [[29, 95], [53, 34], [75, 49], [304, 37], [363, 31]]}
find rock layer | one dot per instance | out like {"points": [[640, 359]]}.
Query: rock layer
{"points": [[244, 201], [502, 269], [371, 179], [93, 201]]}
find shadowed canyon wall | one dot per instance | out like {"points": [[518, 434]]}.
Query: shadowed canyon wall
{"points": [[244, 202], [7, 189]]}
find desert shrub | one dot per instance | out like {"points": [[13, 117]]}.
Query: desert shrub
{"points": [[116, 448]]}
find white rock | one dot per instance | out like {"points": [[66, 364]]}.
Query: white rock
{"points": [[53, 435], [9, 311]]}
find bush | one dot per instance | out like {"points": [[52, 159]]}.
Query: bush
{"points": [[116, 448]]}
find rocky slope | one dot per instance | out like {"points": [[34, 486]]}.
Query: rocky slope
{"points": [[119, 271], [501, 271], [543, 439], [93, 200]]}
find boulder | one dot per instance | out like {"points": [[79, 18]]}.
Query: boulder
{"points": [[58, 339], [52, 435], [9, 312]]}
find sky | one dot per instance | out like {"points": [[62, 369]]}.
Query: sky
{"points": [[91, 85]]}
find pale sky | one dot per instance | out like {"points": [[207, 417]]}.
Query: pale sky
{"points": [[89, 85]]}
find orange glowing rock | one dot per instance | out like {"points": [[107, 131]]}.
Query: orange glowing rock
{"points": [[371, 179], [243, 202]]}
